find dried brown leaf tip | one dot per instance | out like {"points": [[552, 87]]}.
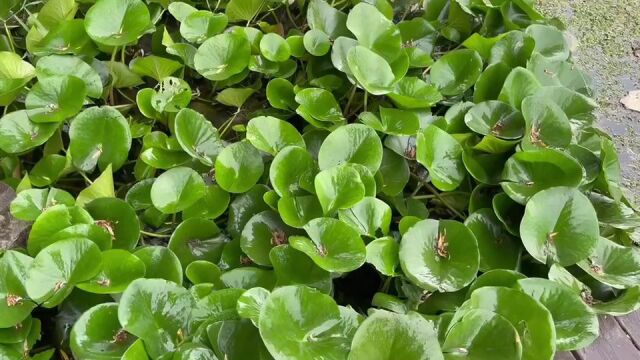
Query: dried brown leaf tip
{"points": [[278, 237], [534, 137], [322, 250], [107, 226], [13, 300], [245, 260], [120, 337], [442, 246]]}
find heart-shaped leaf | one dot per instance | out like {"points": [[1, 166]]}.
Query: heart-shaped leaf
{"points": [[197, 136], [19, 134], [383, 254], [118, 218], [271, 134], [160, 263], [353, 143], [262, 232], [14, 304], [223, 56], [613, 264], [339, 187], [498, 249], [371, 217], [97, 334], [456, 72], [441, 154], [197, 239], [117, 22], [29, 204], [119, 269]]}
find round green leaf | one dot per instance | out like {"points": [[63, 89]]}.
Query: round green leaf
{"points": [[261, 233], [239, 166], [160, 263], [99, 136], [316, 42], [528, 172], [385, 335], [54, 99], [202, 271], [297, 322], [119, 269], [371, 70], [530, 318], [19, 134], [495, 118], [318, 105], [293, 267], [177, 189], [292, 171], [413, 93], [250, 304], [14, 304], [297, 211], [332, 244], [439, 255], [280, 94], [353, 143], [547, 124], [498, 248], [383, 253], [118, 218], [274, 47], [441, 154], [97, 334], [456, 72], [549, 42], [197, 239], [50, 222], [576, 324], [559, 225], [371, 217], [14, 75], [59, 266], [613, 264], [59, 65], [482, 334], [158, 312], [197, 136], [248, 277], [271, 134], [223, 56], [30, 203], [200, 25], [214, 203], [339, 187], [117, 22]]}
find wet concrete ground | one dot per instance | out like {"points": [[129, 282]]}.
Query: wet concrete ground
{"points": [[608, 39]]}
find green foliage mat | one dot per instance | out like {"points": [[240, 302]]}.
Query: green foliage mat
{"points": [[298, 179]]}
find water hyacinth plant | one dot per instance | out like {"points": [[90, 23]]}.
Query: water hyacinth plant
{"points": [[304, 179]]}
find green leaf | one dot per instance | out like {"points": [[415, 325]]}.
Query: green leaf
{"points": [[223, 56], [60, 266], [270, 134], [339, 187], [19, 134], [280, 94], [296, 211], [292, 171], [481, 334], [117, 22], [119, 269], [385, 335], [156, 311], [318, 104], [59, 65], [235, 97], [102, 187], [513, 49], [316, 42], [559, 225], [333, 245], [54, 12], [238, 167], [197, 136], [413, 93], [374, 31], [250, 304], [14, 75], [177, 189], [547, 124], [495, 118], [297, 322], [97, 334], [371, 70], [200, 25], [498, 249], [99, 136], [322, 16], [441, 154], [214, 203], [576, 325], [549, 42], [439, 255], [519, 84], [50, 222], [293, 267], [14, 304], [261, 233], [456, 72], [353, 143], [530, 318], [118, 218], [613, 264], [55, 99], [29, 204], [197, 239], [160, 263], [275, 48], [383, 254], [371, 217], [155, 67], [528, 172], [245, 9]]}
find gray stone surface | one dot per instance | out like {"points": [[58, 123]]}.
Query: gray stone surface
{"points": [[13, 232]]}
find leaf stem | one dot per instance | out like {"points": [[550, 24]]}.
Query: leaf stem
{"points": [[86, 178], [6, 29], [152, 234], [441, 198]]}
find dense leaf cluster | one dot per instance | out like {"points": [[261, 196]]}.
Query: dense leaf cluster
{"points": [[299, 179]]}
